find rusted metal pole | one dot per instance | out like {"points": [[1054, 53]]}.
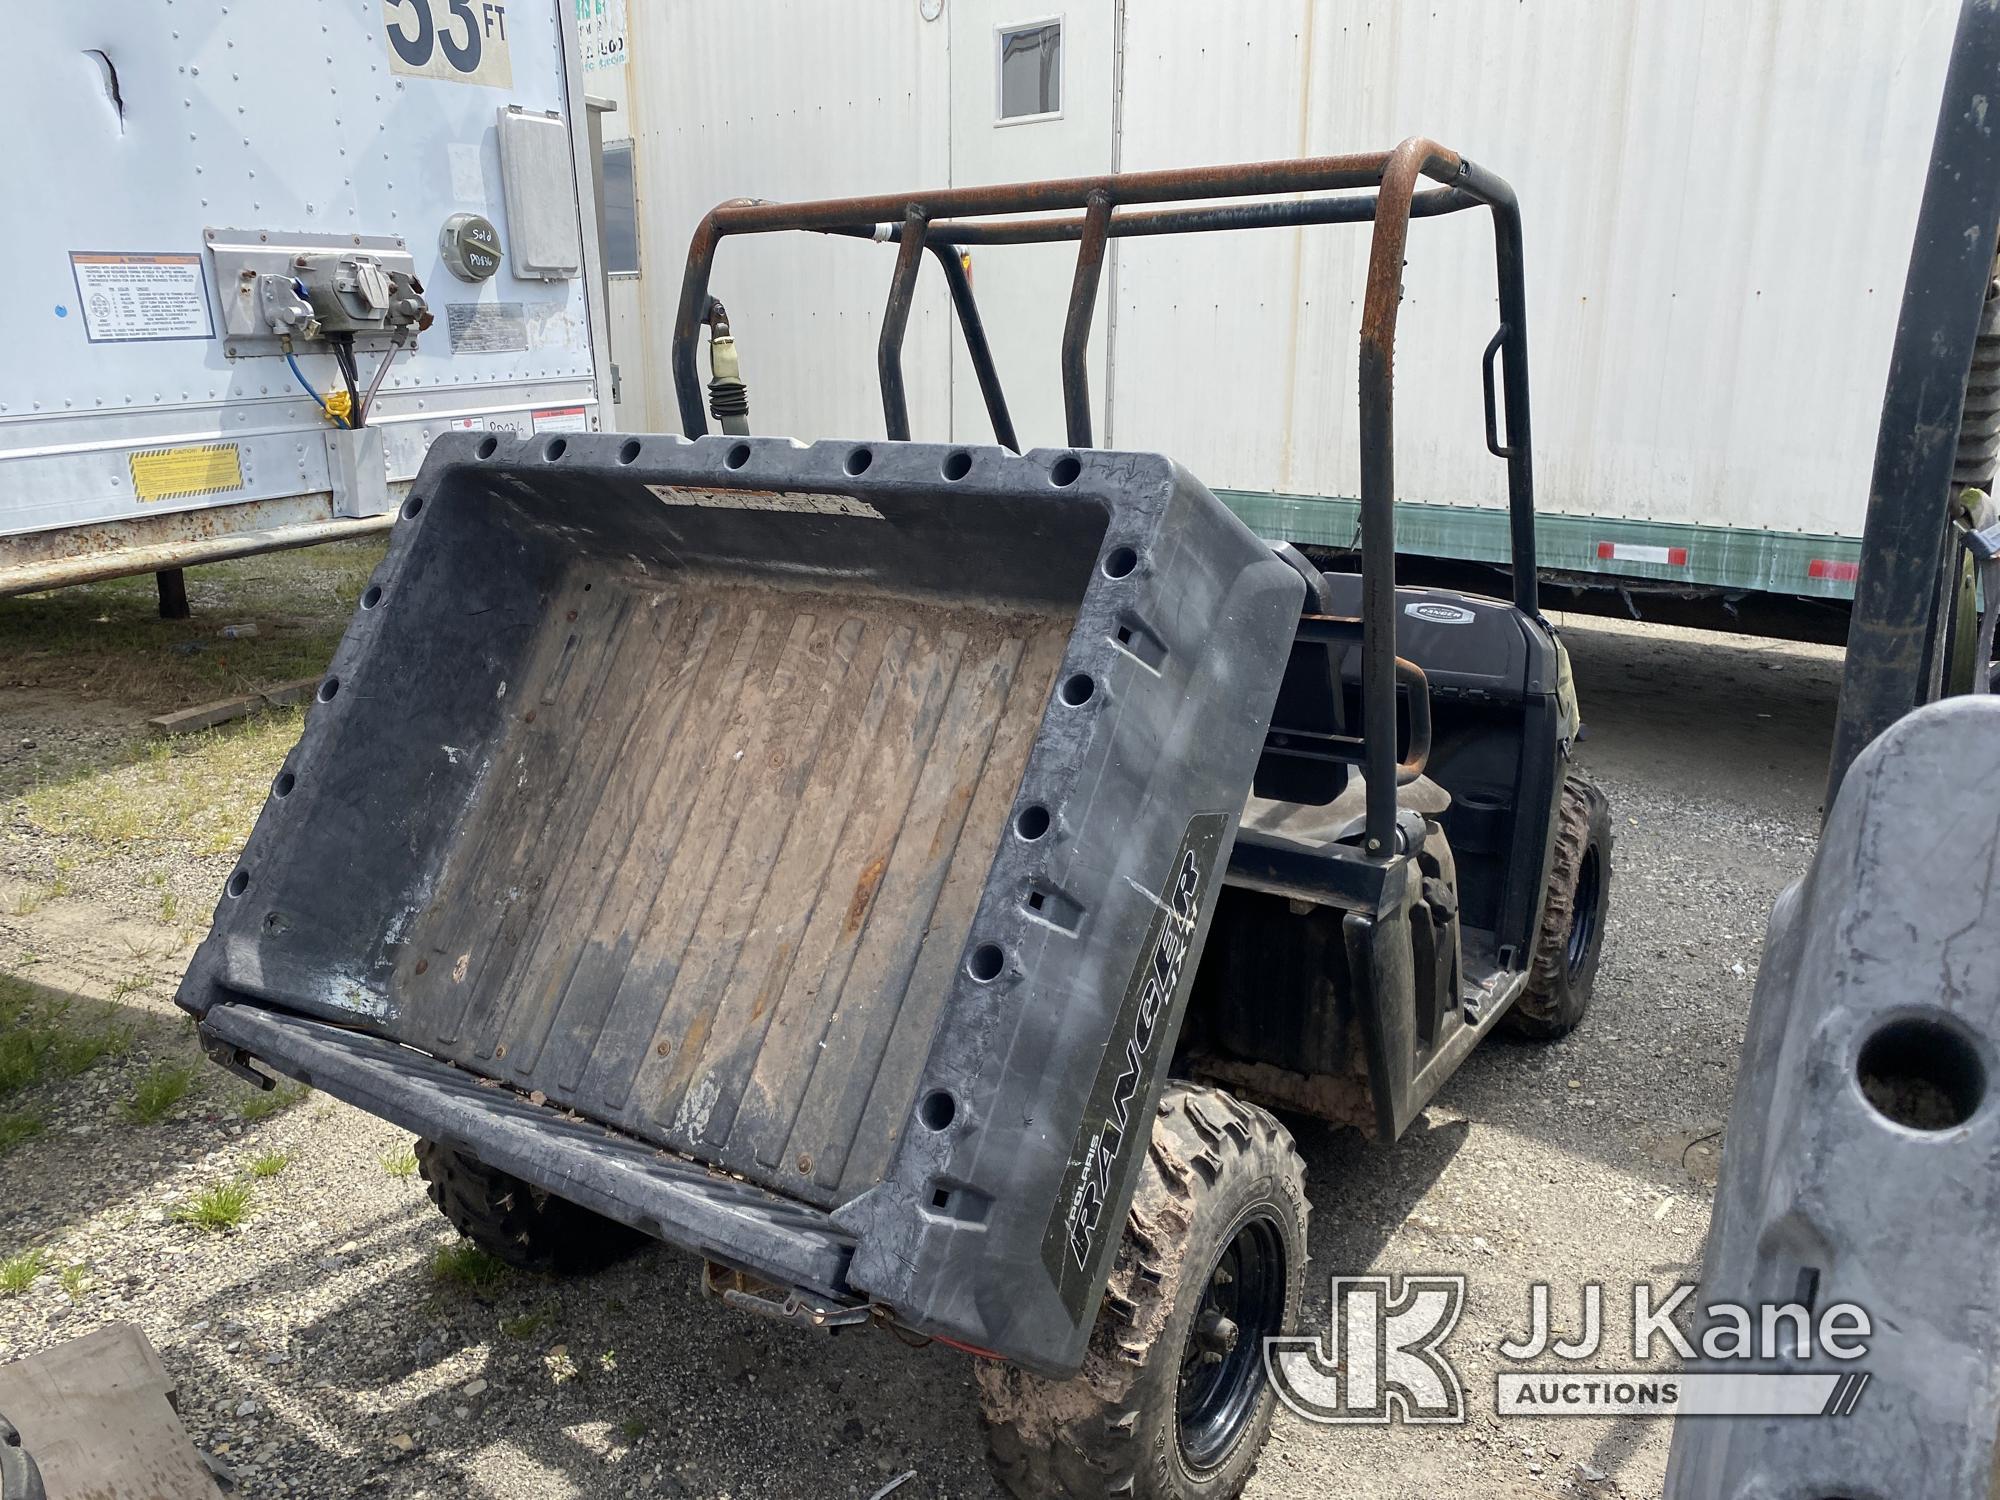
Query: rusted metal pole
{"points": [[688, 319], [1290, 213], [1378, 483], [895, 320], [1310, 174], [1076, 326], [976, 347]]}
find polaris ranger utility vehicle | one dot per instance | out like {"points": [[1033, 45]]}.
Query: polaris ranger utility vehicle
{"points": [[890, 870]]}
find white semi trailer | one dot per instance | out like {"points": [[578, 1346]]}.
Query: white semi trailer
{"points": [[1718, 198], [260, 255]]}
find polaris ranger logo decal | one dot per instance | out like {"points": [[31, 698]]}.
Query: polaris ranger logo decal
{"points": [[1114, 1131]]}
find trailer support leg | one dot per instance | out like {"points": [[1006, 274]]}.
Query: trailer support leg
{"points": [[173, 594]]}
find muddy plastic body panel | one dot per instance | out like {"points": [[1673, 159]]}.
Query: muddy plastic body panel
{"points": [[844, 818], [1864, 1137], [613, 1174]]}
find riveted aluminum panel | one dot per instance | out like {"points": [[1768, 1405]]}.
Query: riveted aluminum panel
{"points": [[152, 126]]}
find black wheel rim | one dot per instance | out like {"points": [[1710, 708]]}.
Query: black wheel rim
{"points": [[1222, 1357], [1583, 915]]}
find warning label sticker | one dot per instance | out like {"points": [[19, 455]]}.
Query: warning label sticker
{"points": [[792, 500], [561, 419], [177, 473], [127, 298]]}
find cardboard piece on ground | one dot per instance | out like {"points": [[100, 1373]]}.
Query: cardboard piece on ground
{"points": [[97, 1415]]}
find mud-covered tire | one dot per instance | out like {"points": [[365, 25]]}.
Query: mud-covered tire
{"points": [[1571, 938], [514, 1222], [19, 1478], [1219, 1173]]}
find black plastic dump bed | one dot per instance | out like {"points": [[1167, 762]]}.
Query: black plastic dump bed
{"points": [[818, 814]]}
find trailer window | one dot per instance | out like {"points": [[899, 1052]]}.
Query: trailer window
{"points": [[621, 211], [1030, 71]]}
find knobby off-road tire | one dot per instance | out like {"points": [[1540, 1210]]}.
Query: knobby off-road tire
{"points": [[19, 1478], [519, 1224], [1222, 1186], [1571, 938]]}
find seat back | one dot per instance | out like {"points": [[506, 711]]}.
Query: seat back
{"points": [[1309, 701]]}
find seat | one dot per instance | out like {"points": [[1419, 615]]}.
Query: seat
{"points": [[1314, 828], [1309, 702]]}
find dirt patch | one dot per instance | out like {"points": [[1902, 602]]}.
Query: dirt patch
{"points": [[255, 622], [100, 819]]}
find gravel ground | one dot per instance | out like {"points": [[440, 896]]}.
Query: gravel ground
{"points": [[319, 1353]]}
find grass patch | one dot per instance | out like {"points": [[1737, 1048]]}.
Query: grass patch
{"points": [[75, 1281], [221, 1207], [270, 1163], [105, 643], [201, 790], [163, 1086], [17, 998], [106, 640], [529, 1325], [43, 1034], [73, 1052], [402, 1163], [20, 1126], [268, 1102], [20, 1059], [631, 1429], [20, 1273], [464, 1265]]}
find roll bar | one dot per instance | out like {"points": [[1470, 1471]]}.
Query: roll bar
{"points": [[1381, 187]]}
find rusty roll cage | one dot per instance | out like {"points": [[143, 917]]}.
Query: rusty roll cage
{"points": [[1371, 186]]}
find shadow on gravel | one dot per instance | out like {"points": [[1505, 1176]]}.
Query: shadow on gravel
{"points": [[1725, 718], [1361, 1193], [101, 1101], [607, 1384]]}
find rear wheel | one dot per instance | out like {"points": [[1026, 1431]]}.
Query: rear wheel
{"points": [[19, 1478], [514, 1222], [1173, 1402], [1571, 939]]}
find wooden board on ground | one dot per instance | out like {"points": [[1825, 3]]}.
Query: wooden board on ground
{"points": [[208, 715], [97, 1415]]}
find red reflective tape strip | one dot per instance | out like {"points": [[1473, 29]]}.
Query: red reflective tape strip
{"points": [[1835, 572]]}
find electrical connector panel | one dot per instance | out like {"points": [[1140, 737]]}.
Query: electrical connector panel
{"points": [[303, 286]]}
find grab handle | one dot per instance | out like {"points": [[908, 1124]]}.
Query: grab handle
{"points": [[1492, 413]]}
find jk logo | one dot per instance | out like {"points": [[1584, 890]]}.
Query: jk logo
{"points": [[1381, 1360]]}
